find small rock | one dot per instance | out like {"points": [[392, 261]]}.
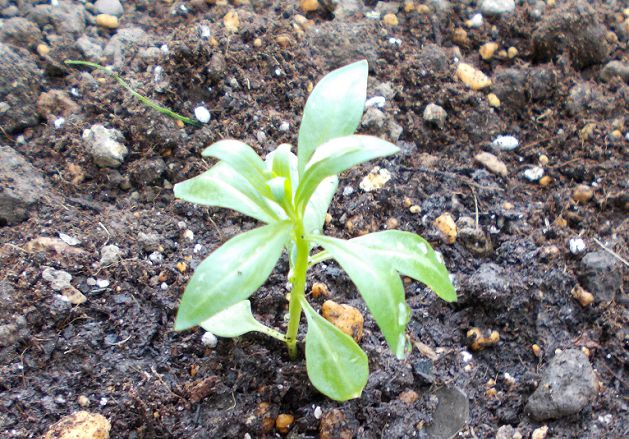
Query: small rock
{"points": [[231, 21], [284, 422], [451, 414], [446, 225], [89, 48], [111, 7], [472, 77], [83, 401], [107, 21], [80, 425], [567, 386], [334, 425], [376, 179], [576, 245], [505, 143], [435, 114], [149, 242], [317, 412], [345, 317], [58, 279], [534, 173], [56, 103], [476, 21], [409, 397], [493, 100], [582, 296], [601, 274], [424, 370], [376, 101], [487, 50], [512, 52], [109, 254], [492, 163], [308, 5], [209, 340], [19, 88], [104, 146], [497, 7], [22, 186], [508, 432], [70, 240], [122, 42], [615, 68], [582, 194], [20, 32], [540, 433], [390, 20]]}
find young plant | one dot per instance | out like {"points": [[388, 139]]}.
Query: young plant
{"points": [[291, 194]]}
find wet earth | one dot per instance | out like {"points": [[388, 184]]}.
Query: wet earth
{"points": [[529, 161]]}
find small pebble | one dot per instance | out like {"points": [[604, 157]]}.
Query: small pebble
{"points": [[582, 194], [257, 42], [543, 159], [59, 122], [493, 100], [345, 317], [545, 180], [102, 283], [505, 143], [492, 163], [415, 209], [83, 401], [534, 173], [284, 127], [202, 114], [284, 422], [188, 234], [205, 32], [90, 281], [582, 296], [376, 179], [435, 114], [309, 5], [181, 266], [576, 245], [208, 339], [487, 50], [376, 101], [540, 433], [107, 21], [472, 77], [423, 9], [42, 49], [318, 412], [390, 20], [476, 21], [231, 21], [446, 225], [512, 52]]}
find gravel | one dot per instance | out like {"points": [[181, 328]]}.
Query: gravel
{"points": [[497, 7], [104, 146], [601, 275]]}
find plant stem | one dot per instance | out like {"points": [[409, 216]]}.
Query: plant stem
{"points": [[299, 287], [146, 101]]}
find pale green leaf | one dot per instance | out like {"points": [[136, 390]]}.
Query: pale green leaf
{"points": [[334, 109], [242, 158], [235, 321], [317, 207], [221, 186], [379, 285], [336, 365], [283, 163], [336, 156], [231, 273], [412, 256]]}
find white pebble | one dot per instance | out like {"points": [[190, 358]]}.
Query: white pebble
{"points": [[102, 283], [90, 281], [577, 245], [164, 48], [476, 21], [318, 412], [209, 340], [466, 356], [347, 191], [376, 101], [534, 173], [164, 286], [70, 240], [188, 234], [157, 73], [509, 379], [205, 32], [103, 401], [197, 248], [505, 143], [202, 114], [284, 126], [278, 72], [181, 225], [59, 122], [395, 42], [156, 257]]}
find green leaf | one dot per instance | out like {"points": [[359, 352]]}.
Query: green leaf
{"points": [[317, 207], [412, 256], [283, 163], [336, 365], [379, 285], [242, 158], [334, 109], [231, 273], [336, 156], [222, 186], [235, 321]]}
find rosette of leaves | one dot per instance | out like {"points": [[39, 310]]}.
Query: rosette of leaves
{"points": [[290, 194]]}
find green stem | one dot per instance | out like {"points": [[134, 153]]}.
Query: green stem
{"points": [[298, 291], [146, 101]]}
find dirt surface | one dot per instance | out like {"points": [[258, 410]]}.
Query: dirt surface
{"points": [[512, 261]]}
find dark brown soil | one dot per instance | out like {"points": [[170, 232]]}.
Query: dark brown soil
{"points": [[119, 348]]}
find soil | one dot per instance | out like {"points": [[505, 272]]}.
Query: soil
{"points": [[119, 348]]}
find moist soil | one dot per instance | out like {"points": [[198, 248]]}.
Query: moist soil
{"points": [[119, 348]]}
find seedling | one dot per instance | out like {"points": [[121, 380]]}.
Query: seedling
{"points": [[146, 101], [291, 194]]}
